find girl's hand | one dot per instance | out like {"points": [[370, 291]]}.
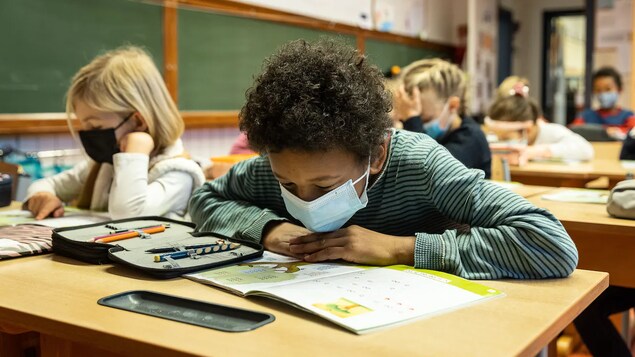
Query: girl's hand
{"points": [[137, 142], [44, 204], [277, 237], [355, 244], [407, 105]]}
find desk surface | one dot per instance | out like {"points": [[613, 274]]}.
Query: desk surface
{"points": [[588, 216], [570, 174], [607, 150], [591, 169], [57, 297], [604, 243]]}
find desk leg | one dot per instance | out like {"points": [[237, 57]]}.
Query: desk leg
{"points": [[51, 346]]}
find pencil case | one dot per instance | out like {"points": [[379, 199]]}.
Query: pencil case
{"points": [[161, 247]]}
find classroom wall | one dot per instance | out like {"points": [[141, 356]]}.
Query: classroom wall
{"points": [[527, 60]]}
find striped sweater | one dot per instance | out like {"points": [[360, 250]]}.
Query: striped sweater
{"points": [[463, 224]]}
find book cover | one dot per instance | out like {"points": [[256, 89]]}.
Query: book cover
{"points": [[359, 298]]}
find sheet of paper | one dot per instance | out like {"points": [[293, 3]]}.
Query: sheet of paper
{"points": [[578, 196], [72, 217]]}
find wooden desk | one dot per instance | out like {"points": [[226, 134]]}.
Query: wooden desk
{"points": [[607, 150], [57, 297], [604, 243], [571, 174]]}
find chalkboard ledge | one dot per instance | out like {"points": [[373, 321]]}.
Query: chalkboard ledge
{"points": [[55, 123]]}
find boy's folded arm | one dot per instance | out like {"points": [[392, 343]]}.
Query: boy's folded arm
{"points": [[505, 236], [225, 206]]}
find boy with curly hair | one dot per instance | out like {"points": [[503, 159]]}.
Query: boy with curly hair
{"points": [[335, 182]]}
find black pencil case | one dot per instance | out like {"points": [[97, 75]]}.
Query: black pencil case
{"points": [[181, 250]]}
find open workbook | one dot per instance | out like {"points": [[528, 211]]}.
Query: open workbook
{"points": [[359, 298]]}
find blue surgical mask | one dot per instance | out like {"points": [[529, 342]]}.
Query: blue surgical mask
{"points": [[607, 100], [330, 211], [438, 126]]}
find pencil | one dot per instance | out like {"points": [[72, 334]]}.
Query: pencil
{"points": [[132, 234]]}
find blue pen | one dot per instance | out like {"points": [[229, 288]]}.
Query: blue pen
{"points": [[212, 248]]}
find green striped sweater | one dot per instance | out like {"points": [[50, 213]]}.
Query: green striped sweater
{"points": [[463, 224]]}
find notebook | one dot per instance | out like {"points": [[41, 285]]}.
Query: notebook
{"points": [[21, 235]]}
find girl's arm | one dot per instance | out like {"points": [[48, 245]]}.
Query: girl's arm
{"points": [[132, 195]]}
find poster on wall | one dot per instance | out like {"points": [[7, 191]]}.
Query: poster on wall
{"points": [[403, 17], [350, 12], [614, 31], [482, 64]]}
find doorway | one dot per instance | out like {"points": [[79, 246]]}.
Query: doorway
{"points": [[564, 64]]}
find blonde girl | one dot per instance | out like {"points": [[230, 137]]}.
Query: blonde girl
{"points": [[130, 128], [432, 100]]}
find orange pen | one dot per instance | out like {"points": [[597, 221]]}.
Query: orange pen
{"points": [[131, 234]]}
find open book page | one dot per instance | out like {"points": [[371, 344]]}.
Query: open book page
{"points": [[72, 217], [269, 270], [371, 299], [578, 196], [360, 299]]}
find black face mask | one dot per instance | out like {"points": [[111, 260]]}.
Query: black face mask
{"points": [[101, 144]]}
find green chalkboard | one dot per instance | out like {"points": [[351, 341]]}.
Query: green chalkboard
{"points": [[386, 54], [219, 56], [44, 42]]}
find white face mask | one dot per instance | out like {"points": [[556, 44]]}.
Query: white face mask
{"points": [[329, 212]]}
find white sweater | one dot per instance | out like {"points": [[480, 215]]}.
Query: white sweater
{"points": [[563, 143], [134, 185]]}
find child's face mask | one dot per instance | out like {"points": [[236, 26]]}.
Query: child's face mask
{"points": [[438, 126], [607, 100], [101, 144], [330, 211]]}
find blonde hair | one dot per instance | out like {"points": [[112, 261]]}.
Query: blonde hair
{"points": [[444, 78], [507, 86], [126, 80]]}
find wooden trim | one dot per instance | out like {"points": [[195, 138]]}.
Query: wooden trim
{"points": [[170, 48], [56, 123], [235, 8], [361, 43]]}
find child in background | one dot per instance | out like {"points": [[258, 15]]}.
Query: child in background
{"points": [[628, 148], [336, 182], [130, 129], [607, 86], [431, 99], [594, 325], [517, 116]]}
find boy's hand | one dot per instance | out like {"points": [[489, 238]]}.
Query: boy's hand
{"points": [[44, 204], [407, 105], [137, 142], [277, 237], [355, 244], [616, 133]]}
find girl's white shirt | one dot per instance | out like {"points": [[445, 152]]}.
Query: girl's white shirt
{"points": [[563, 143], [134, 185]]}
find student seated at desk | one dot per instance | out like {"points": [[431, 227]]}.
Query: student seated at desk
{"points": [[518, 117], [596, 329], [130, 129], [628, 148], [336, 182], [431, 99], [607, 86]]}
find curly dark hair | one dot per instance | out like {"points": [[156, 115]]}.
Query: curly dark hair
{"points": [[608, 72], [317, 97]]}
